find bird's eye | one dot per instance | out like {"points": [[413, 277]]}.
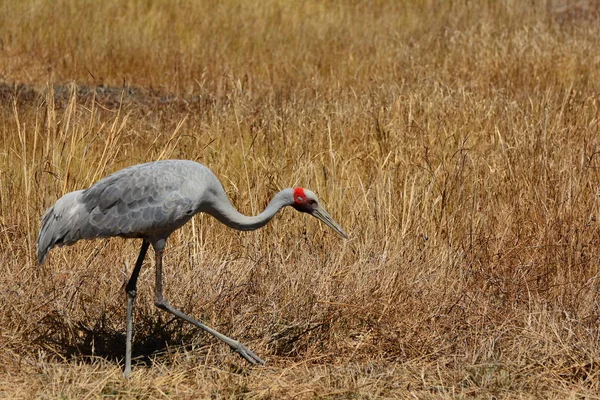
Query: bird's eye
{"points": [[299, 199]]}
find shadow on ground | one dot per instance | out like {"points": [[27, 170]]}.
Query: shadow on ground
{"points": [[153, 336]]}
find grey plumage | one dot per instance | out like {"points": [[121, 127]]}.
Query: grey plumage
{"points": [[57, 224], [146, 200], [150, 201]]}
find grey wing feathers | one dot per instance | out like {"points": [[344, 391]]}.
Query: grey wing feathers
{"points": [[139, 201], [60, 224], [147, 200]]}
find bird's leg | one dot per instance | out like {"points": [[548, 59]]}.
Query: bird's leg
{"points": [[162, 303], [130, 289]]}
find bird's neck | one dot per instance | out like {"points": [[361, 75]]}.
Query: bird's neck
{"points": [[227, 214]]}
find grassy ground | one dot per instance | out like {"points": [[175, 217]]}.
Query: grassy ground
{"points": [[457, 143]]}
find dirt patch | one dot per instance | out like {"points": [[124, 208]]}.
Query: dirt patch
{"points": [[110, 97]]}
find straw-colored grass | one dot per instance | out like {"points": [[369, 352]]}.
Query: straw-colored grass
{"points": [[456, 142]]}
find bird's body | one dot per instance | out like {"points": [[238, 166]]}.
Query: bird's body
{"points": [[150, 201], [144, 201]]}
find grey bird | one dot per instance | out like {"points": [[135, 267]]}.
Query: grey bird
{"points": [[150, 201]]}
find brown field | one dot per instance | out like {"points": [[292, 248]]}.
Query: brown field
{"points": [[457, 143]]}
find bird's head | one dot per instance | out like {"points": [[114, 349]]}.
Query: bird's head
{"points": [[306, 201]]}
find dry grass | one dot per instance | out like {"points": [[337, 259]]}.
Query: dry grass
{"points": [[456, 142]]}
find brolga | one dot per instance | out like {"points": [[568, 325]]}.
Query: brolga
{"points": [[150, 201]]}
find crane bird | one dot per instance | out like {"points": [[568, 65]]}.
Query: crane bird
{"points": [[150, 201]]}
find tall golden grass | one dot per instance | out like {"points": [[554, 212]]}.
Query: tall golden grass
{"points": [[456, 142]]}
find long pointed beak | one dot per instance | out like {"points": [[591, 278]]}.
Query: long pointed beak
{"points": [[327, 220]]}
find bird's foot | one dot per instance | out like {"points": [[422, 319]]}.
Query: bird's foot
{"points": [[247, 354]]}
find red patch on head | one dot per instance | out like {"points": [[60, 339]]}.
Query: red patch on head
{"points": [[299, 195]]}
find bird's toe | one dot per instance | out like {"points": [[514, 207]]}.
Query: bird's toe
{"points": [[248, 354]]}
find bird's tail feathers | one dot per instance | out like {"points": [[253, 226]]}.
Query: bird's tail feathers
{"points": [[62, 224]]}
